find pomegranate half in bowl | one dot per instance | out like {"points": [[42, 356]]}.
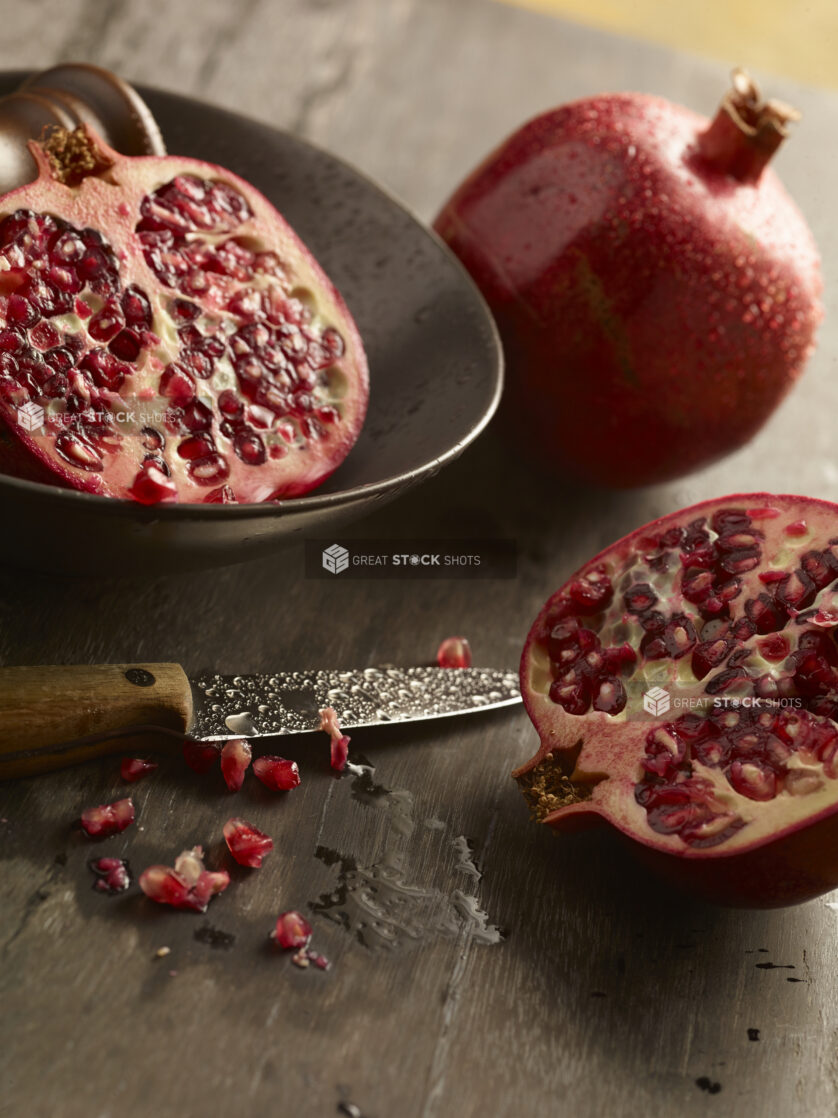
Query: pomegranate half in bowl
{"points": [[431, 345]]}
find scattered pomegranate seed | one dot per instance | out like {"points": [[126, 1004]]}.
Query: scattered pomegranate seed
{"points": [[797, 528], [200, 756], [454, 652], [292, 930], [235, 758], [187, 885], [107, 819], [113, 875], [135, 768], [339, 742], [247, 843], [304, 958], [277, 773]]}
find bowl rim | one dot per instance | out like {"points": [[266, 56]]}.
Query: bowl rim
{"points": [[186, 511]]}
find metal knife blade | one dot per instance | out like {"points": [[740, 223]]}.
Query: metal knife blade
{"points": [[254, 706]]}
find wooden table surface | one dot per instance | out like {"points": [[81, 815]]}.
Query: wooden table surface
{"points": [[480, 965]]}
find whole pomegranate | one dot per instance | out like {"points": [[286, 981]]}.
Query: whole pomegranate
{"points": [[165, 335], [656, 289], [684, 684]]}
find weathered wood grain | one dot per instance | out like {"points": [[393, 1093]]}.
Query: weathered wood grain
{"points": [[605, 996]]}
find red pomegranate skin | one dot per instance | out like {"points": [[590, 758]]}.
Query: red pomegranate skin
{"points": [[654, 308]]}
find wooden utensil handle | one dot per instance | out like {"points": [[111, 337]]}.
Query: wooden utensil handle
{"points": [[51, 717]]}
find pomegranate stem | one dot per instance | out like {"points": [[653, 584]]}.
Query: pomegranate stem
{"points": [[746, 131]]}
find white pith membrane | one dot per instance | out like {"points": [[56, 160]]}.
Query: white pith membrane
{"points": [[698, 780], [184, 345]]}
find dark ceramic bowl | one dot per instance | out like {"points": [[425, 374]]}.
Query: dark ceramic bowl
{"points": [[435, 367]]}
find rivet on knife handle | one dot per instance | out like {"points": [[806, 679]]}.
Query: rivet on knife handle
{"points": [[47, 713]]}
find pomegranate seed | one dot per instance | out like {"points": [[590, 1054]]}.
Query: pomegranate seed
{"points": [[200, 756], [708, 655], [210, 469], [106, 323], [152, 439], [277, 773], [113, 875], [224, 495], [151, 486], [796, 528], [108, 819], [639, 598], [754, 781], [177, 385], [187, 885], [610, 697], [339, 753], [250, 448], [44, 336], [292, 930], [339, 745], [135, 768], [235, 758], [774, 648], [197, 446], [136, 307], [454, 652], [247, 843], [229, 403], [21, 312]]}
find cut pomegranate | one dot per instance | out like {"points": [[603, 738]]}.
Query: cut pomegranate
{"points": [[277, 773], [186, 885], [108, 819], [732, 789], [650, 277], [181, 340], [292, 930], [200, 756], [113, 875], [135, 768], [454, 652], [247, 843], [235, 758], [339, 744]]}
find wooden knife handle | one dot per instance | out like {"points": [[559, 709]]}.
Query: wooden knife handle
{"points": [[51, 717]]}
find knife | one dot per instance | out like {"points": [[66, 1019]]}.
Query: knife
{"points": [[51, 717]]}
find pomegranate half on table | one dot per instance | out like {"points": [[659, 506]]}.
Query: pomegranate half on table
{"points": [[684, 684], [165, 335]]}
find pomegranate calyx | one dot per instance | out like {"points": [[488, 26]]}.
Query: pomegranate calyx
{"points": [[73, 155], [746, 130]]}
